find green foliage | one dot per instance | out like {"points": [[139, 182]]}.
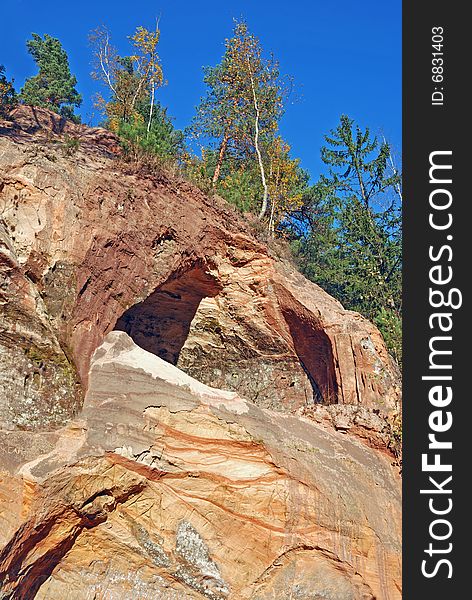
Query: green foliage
{"points": [[8, 96], [390, 324], [161, 139], [71, 145], [348, 234], [240, 113], [127, 92], [345, 229], [130, 81], [146, 131], [54, 86], [256, 85], [216, 111], [287, 182], [241, 186], [197, 170]]}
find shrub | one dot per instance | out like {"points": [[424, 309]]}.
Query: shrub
{"points": [[8, 97]]}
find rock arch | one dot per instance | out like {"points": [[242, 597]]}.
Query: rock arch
{"points": [[161, 323]]}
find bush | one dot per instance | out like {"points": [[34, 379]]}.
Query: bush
{"points": [[390, 326], [70, 145], [242, 188], [162, 140], [8, 97]]}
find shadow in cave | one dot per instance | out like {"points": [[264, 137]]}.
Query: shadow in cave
{"points": [[314, 351], [161, 323]]}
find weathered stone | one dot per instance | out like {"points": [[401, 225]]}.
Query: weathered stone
{"points": [[164, 486], [38, 383], [105, 247], [281, 485]]}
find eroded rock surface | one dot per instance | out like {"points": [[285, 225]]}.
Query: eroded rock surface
{"points": [[38, 383], [166, 488], [278, 485], [97, 246]]}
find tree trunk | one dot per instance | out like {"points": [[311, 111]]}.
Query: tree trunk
{"points": [[221, 156], [395, 172], [259, 159], [365, 200], [151, 108], [272, 216], [256, 145], [261, 168]]}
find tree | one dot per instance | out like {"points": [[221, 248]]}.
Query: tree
{"points": [[352, 245], [260, 89], [147, 63], [353, 168], [286, 182], [130, 80], [217, 114], [243, 105], [157, 136], [8, 97], [54, 86]]}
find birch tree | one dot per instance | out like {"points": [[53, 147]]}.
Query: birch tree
{"points": [[147, 64], [286, 183], [243, 105], [130, 80], [260, 96]]}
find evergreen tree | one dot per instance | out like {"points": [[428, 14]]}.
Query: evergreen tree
{"points": [[349, 230], [54, 86], [8, 97], [217, 114], [154, 136]]}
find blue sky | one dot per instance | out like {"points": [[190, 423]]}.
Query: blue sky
{"points": [[345, 55]]}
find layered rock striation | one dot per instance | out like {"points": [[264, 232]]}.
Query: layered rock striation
{"points": [[98, 246], [167, 488], [144, 296]]}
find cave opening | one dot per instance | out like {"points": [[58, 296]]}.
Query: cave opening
{"points": [[315, 353], [161, 323]]}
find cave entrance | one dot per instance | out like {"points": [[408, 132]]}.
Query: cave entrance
{"points": [[315, 353], [161, 323]]}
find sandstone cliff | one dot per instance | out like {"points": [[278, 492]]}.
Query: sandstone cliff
{"points": [[158, 486]]}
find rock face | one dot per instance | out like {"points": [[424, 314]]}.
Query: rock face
{"points": [[166, 488], [37, 381], [98, 247], [277, 485]]}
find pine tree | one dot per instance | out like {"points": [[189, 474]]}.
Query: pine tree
{"points": [[217, 114], [152, 134], [350, 238], [54, 86]]}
